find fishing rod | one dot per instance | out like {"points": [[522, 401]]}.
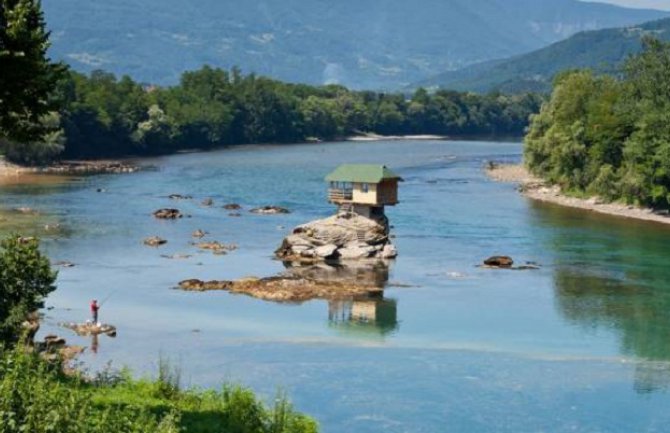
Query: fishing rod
{"points": [[105, 300]]}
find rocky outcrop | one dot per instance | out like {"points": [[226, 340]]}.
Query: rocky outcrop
{"points": [[232, 206], [339, 237], [285, 288], [270, 210]]}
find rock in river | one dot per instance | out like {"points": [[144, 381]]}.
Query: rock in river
{"points": [[168, 214], [217, 247], [285, 288], [199, 234], [499, 262], [179, 197], [270, 210], [154, 241], [339, 237]]}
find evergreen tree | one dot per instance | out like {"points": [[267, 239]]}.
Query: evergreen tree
{"points": [[28, 77]]}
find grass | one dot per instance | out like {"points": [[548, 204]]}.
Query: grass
{"points": [[36, 397]]}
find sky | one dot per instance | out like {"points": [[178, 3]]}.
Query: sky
{"points": [[653, 4]]}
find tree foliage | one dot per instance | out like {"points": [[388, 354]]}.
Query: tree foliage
{"points": [[28, 77], [25, 279], [105, 116], [609, 137]]}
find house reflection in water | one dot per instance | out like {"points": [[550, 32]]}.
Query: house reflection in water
{"points": [[364, 316]]}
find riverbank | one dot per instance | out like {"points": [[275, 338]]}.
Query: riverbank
{"points": [[376, 137], [537, 189], [10, 170]]}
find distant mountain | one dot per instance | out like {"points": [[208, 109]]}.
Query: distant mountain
{"points": [[360, 43], [600, 50]]}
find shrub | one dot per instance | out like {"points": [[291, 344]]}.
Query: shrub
{"points": [[25, 279]]}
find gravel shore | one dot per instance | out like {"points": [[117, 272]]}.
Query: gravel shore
{"points": [[536, 189]]}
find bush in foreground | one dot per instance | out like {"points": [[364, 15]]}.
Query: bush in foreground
{"points": [[36, 397], [25, 279]]}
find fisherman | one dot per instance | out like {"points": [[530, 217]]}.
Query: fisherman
{"points": [[94, 311]]}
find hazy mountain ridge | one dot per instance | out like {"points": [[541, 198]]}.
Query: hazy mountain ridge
{"points": [[600, 50], [362, 43]]}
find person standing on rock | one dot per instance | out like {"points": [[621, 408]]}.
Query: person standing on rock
{"points": [[94, 311]]}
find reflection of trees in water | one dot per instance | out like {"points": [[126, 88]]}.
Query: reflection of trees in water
{"points": [[640, 315], [613, 273], [362, 316]]}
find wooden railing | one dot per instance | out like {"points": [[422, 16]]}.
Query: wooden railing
{"points": [[340, 194]]}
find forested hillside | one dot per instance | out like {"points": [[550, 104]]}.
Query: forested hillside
{"points": [[600, 50], [363, 44]]}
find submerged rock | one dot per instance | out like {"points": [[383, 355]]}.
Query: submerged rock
{"points": [[284, 288], [232, 206], [179, 197], [339, 237], [217, 247], [208, 202], [199, 234], [177, 256], [26, 210], [168, 213], [270, 210]]}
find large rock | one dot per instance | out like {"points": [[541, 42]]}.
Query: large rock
{"points": [[339, 237]]}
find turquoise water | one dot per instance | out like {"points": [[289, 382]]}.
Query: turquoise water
{"points": [[581, 345]]}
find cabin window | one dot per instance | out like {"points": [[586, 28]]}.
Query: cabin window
{"points": [[365, 187]]}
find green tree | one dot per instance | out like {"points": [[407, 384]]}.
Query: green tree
{"points": [[28, 77], [25, 279], [40, 151]]}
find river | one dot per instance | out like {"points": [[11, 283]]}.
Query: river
{"points": [[580, 345]]}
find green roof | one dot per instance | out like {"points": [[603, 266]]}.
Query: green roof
{"points": [[364, 173]]}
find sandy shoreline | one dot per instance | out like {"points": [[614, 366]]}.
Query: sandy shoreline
{"points": [[14, 172], [376, 137], [536, 189], [9, 169]]}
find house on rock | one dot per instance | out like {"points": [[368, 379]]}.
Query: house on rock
{"points": [[363, 189]]}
